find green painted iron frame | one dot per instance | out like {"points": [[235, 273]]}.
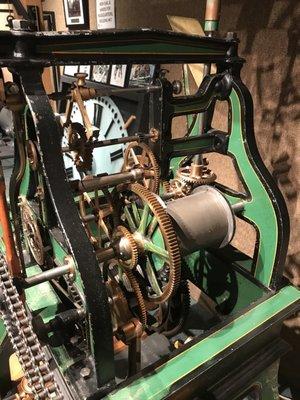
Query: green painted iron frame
{"points": [[261, 303]]}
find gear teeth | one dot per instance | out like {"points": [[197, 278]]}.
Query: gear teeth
{"points": [[154, 182], [139, 296], [132, 262], [207, 177], [171, 242]]}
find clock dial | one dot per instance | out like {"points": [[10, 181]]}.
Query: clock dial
{"points": [[108, 122]]}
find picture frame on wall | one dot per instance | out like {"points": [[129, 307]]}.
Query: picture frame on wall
{"points": [[76, 14], [100, 73], [141, 74], [70, 70], [118, 75], [85, 69]]}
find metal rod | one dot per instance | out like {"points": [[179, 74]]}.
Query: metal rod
{"points": [[212, 17], [48, 275], [105, 254], [102, 182], [110, 142], [107, 91]]}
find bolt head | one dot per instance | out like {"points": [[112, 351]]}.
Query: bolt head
{"points": [[85, 372]]}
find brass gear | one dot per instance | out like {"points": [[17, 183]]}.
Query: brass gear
{"points": [[146, 160], [32, 232], [139, 296], [121, 231], [170, 240], [206, 177], [134, 286]]}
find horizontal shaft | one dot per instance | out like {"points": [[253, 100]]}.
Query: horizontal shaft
{"points": [[111, 142], [101, 182]]}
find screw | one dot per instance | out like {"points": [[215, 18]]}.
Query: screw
{"points": [[85, 372]]}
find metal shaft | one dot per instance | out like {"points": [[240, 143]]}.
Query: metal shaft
{"points": [[101, 182], [111, 142], [46, 276], [212, 17]]}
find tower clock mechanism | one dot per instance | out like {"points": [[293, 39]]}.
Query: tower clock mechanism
{"points": [[120, 272]]}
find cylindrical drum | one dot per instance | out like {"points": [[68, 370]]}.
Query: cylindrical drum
{"points": [[203, 219]]}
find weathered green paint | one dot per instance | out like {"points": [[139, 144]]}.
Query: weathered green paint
{"points": [[259, 209], [41, 298], [212, 25], [157, 384]]}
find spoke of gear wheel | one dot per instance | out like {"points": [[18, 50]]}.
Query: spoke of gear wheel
{"points": [[151, 183], [170, 240]]}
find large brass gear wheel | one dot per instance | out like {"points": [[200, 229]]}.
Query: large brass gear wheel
{"points": [[154, 234], [139, 155], [32, 232]]}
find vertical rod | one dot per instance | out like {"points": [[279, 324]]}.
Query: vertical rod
{"points": [[211, 25]]}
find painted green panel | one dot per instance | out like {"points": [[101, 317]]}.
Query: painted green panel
{"points": [[259, 208], [157, 384], [41, 297]]}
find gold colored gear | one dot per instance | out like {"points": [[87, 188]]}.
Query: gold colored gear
{"points": [[166, 186], [133, 283], [170, 240], [132, 262], [151, 182], [32, 232], [205, 178], [139, 296]]}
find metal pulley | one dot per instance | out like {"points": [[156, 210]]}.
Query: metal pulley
{"points": [[203, 219]]}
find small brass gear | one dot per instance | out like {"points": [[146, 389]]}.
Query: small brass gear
{"points": [[139, 155], [122, 232], [170, 241], [206, 176]]}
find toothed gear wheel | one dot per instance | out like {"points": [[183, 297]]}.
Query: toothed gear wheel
{"points": [[122, 232], [207, 176], [157, 242], [139, 155]]}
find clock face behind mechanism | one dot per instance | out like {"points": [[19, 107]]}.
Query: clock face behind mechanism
{"points": [[105, 117]]}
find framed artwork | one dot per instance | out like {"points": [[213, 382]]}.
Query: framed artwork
{"points": [[85, 69], [141, 74], [76, 14], [70, 70], [100, 73], [118, 75]]}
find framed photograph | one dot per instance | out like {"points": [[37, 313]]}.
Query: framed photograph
{"points": [[141, 74], [118, 75], [85, 69], [100, 73], [76, 14], [70, 70]]}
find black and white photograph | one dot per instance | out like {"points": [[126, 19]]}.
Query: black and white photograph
{"points": [[100, 73], [75, 13], [70, 70], [118, 75], [141, 74], [85, 69]]}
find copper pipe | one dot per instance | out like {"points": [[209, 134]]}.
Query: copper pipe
{"points": [[7, 234], [212, 11]]}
